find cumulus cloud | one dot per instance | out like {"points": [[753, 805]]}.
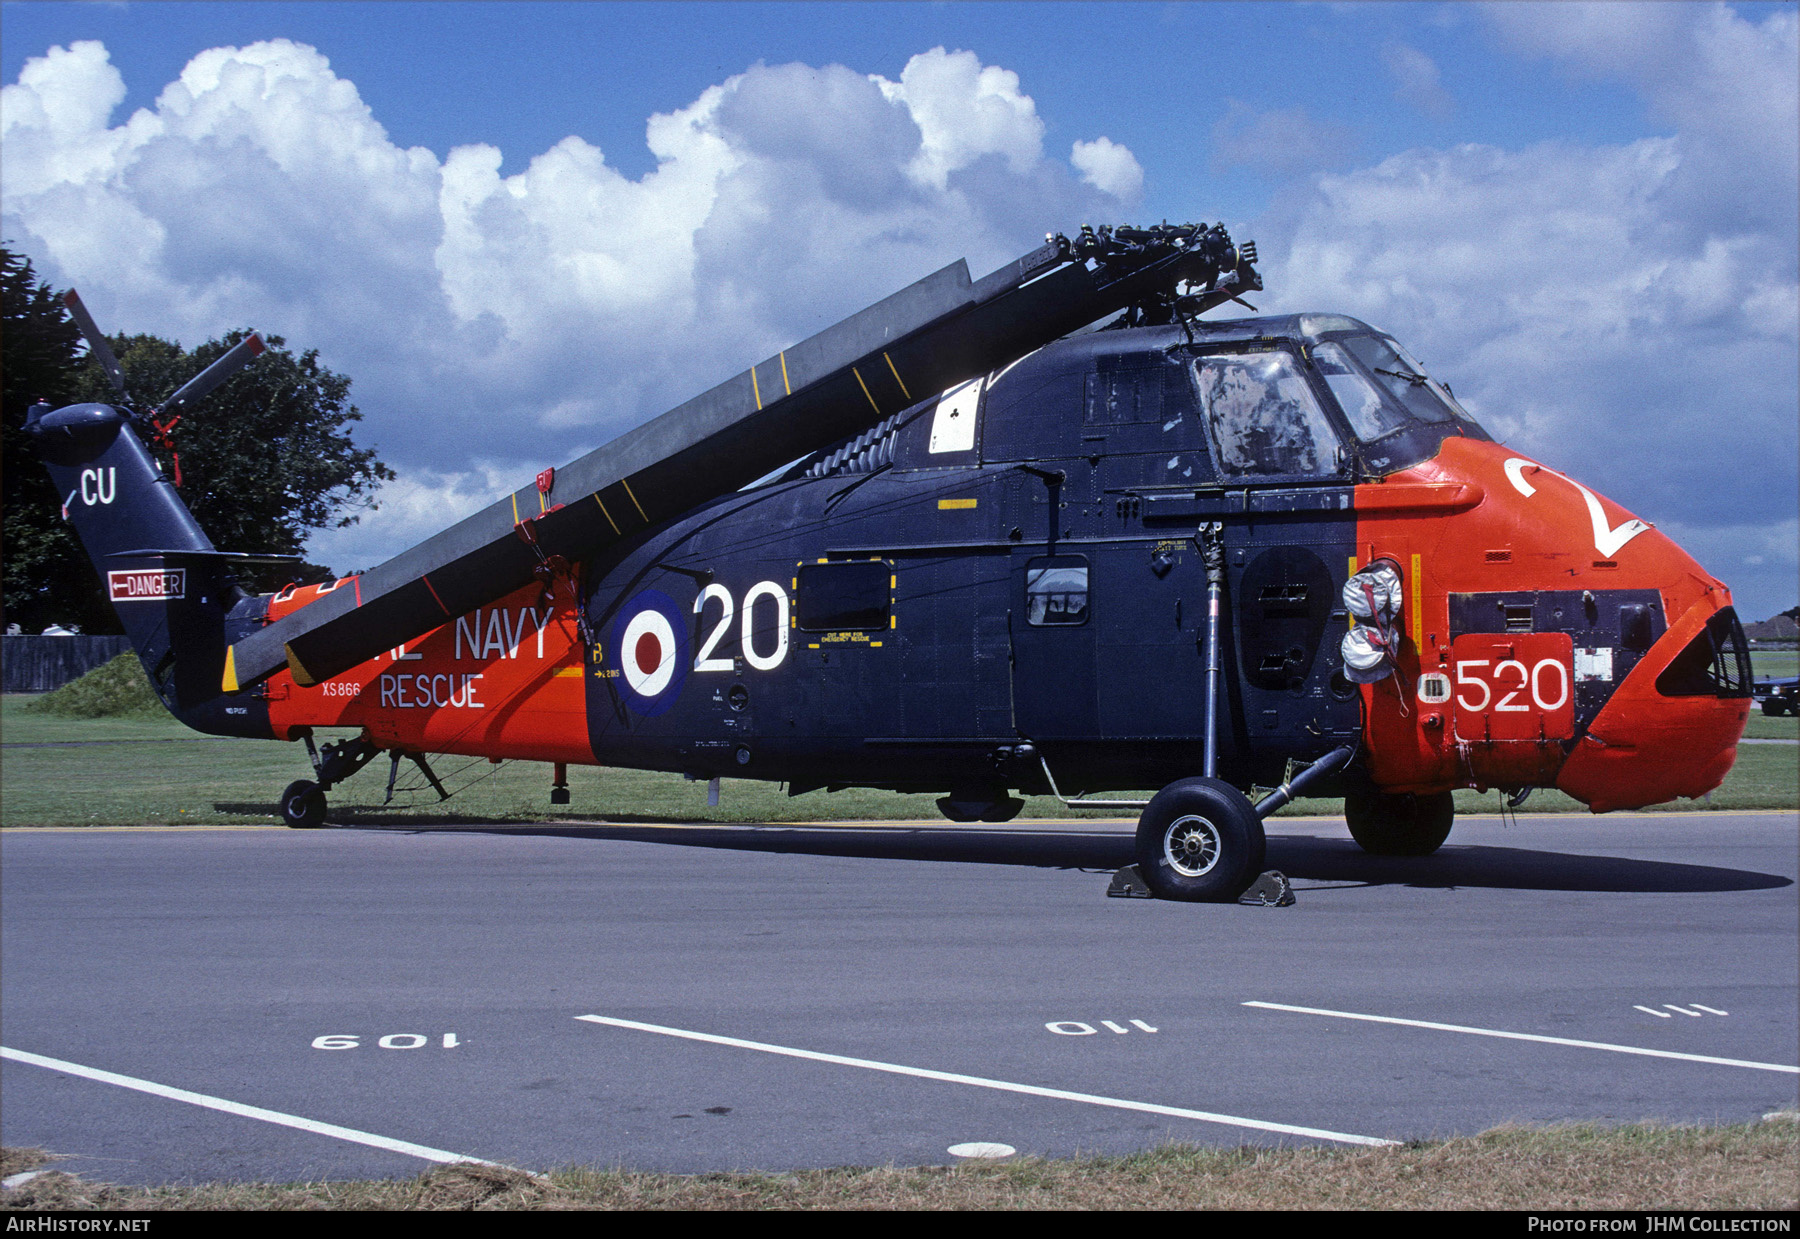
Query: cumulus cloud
{"points": [[964, 111], [1108, 167], [521, 320], [1597, 306]]}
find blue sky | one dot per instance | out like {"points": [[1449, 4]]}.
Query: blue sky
{"points": [[522, 76], [1582, 215]]}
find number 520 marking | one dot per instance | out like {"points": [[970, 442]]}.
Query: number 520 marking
{"points": [[1513, 679]]}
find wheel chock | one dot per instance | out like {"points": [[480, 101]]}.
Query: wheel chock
{"points": [[1128, 883], [1271, 890]]}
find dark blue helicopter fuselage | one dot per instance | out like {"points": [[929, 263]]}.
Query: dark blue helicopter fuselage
{"points": [[893, 615]]}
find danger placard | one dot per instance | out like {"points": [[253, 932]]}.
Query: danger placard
{"points": [[160, 584]]}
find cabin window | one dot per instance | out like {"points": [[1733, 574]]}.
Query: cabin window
{"points": [[839, 596], [1056, 591], [1262, 415]]}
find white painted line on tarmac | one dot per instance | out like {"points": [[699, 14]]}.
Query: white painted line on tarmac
{"points": [[1708, 1010], [1661, 1015], [1005, 1086], [250, 1112], [1517, 1036]]}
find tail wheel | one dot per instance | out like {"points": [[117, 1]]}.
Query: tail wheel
{"points": [[303, 805], [1199, 840], [1401, 823]]}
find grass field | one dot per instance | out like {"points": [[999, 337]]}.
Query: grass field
{"points": [[1775, 663], [152, 770], [1745, 1166]]}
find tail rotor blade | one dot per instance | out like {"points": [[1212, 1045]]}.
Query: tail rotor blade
{"points": [[97, 346], [241, 355]]}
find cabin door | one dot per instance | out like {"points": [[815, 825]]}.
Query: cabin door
{"points": [[1053, 641]]}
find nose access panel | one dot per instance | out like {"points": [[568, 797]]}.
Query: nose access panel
{"points": [[1513, 688]]}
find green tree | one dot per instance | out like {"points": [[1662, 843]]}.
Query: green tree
{"points": [[266, 458], [47, 578]]}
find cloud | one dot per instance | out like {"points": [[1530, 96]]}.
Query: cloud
{"points": [[412, 507], [1595, 305], [964, 111], [1280, 142], [521, 320], [1108, 167], [1417, 78], [1728, 86]]}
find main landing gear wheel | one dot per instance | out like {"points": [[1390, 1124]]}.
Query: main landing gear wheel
{"points": [[1400, 823], [303, 805], [1200, 840]]}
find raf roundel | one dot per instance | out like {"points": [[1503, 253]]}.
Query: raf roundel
{"points": [[651, 651]]}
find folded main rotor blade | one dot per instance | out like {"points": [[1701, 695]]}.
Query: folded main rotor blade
{"points": [[240, 355], [923, 340], [98, 349]]}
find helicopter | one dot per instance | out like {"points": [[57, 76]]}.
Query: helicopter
{"points": [[1047, 532]]}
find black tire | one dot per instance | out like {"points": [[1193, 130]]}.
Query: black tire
{"points": [[1773, 708], [1401, 823], [1200, 840], [303, 805]]}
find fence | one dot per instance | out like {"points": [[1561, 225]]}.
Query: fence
{"points": [[39, 664]]}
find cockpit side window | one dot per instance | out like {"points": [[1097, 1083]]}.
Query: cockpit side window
{"points": [[1262, 415], [1400, 376], [1370, 413]]}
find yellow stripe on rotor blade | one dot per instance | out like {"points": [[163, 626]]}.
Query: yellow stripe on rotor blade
{"points": [[865, 387], [634, 499], [229, 683], [897, 378], [785, 385], [607, 515], [755, 387]]}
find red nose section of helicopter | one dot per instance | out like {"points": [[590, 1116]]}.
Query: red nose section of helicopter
{"points": [[1672, 728], [1559, 640]]}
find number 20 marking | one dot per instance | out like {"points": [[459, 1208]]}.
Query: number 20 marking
{"points": [[705, 659], [1532, 679]]}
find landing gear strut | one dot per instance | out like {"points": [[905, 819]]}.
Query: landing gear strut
{"points": [[303, 802]]}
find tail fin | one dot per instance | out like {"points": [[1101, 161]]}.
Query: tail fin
{"points": [[173, 591]]}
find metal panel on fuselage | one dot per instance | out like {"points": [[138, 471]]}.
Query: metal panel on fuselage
{"points": [[749, 691]]}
